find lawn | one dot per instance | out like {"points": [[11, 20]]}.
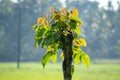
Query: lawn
{"points": [[34, 71]]}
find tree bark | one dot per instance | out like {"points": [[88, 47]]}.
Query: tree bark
{"points": [[67, 62], [19, 35]]}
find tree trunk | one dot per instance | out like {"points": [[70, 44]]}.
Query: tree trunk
{"points": [[67, 62], [19, 35]]}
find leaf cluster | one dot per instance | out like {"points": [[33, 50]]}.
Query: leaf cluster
{"points": [[52, 33]]}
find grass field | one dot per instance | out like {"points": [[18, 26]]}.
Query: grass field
{"points": [[34, 71]]}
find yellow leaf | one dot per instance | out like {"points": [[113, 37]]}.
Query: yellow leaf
{"points": [[56, 15], [80, 42], [80, 22], [83, 42], [40, 20], [77, 43], [66, 33], [47, 16], [63, 11], [46, 23], [49, 49], [37, 29], [62, 18], [51, 9], [62, 56], [75, 12]]}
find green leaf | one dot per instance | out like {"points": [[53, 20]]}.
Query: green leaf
{"points": [[77, 30], [45, 59], [46, 41], [34, 26], [72, 24], [38, 42], [55, 37], [41, 32], [72, 69], [55, 30], [77, 58], [75, 35], [79, 22], [62, 18], [53, 26], [47, 27], [76, 49], [85, 59], [54, 58]]}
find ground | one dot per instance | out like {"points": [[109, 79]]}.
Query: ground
{"points": [[34, 71]]}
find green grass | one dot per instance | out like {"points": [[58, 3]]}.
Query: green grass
{"points": [[34, 71]]}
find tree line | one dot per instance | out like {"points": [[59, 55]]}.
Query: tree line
{"points": [[100, 28]]}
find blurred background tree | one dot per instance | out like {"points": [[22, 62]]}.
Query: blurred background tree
{"points": [[101, 28]]}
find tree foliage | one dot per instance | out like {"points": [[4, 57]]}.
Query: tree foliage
{"points": [[52, 33]]}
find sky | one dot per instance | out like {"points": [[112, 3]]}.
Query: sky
{"points": [[103, 3]]}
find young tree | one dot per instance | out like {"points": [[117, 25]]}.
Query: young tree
{"points": [[60, 30]]}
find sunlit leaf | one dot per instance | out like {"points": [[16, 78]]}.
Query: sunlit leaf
{"points": [[80, 22], [75, 12], [77, 30], [48, 48], [75, 35], [62, 56], [72, 24], [40, 20], [54, 58], [40, 32], [62, 18], [47, 27], [66, 33], [37, 29], [45, 59], [51, 9], [83, 42], [46, 23], [77, 43], [57, 29], [56, 15], [85, 59], [76, 49], [63, 11], [80, 42], [37, 43], [77, 58]]}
